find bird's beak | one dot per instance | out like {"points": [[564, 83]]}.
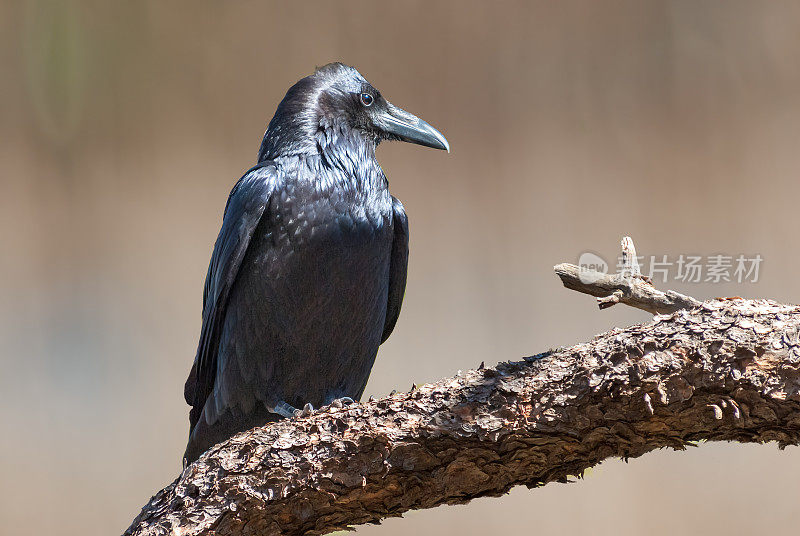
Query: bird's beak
{"points": [[408, 127]]}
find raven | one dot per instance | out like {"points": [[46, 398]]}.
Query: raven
{"points": [[309, 269]]}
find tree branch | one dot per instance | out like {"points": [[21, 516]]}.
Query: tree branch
{"points": [[727, 370], [629, 286]]}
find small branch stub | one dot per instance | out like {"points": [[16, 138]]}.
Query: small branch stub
{"points": [[630, 262]]}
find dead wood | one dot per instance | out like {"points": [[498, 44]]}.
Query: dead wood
{"points": [[722, 371]]}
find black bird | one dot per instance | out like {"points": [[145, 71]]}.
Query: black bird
{"points": [[309, 269]]}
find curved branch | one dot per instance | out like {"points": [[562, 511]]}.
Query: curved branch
{"points": [[628, 286], [727, 370], [610, 289]]}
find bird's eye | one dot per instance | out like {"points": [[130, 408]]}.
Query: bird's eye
{"points": [[367, 99]]}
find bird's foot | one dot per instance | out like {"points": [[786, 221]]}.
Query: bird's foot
{"points": [[342, 402], [284, 410], [307, 410]]}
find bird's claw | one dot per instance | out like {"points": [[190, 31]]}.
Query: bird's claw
{"points": [[307, 410], [284, 410], [342, 402]]}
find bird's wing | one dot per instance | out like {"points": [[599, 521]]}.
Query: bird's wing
{"points": [[246, 205], [398, 268]]}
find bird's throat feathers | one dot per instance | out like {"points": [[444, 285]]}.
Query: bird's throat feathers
{"points": [[316, 135], [305, 132]]}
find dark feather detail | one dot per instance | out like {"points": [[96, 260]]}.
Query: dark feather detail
{"points": [[399, 267], [243, 211]]}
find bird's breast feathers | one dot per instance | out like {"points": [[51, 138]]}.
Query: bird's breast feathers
{"points": [[318, 203]]}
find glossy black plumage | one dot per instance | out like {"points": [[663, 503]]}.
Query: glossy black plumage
{"points": [[308, 272]]}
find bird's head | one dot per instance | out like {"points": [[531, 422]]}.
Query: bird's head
{"points": [[336, 105]]}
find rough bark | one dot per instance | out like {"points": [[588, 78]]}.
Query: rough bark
{"points": [[724, 371]]}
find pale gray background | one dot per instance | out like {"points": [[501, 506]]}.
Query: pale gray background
{"points": [[124, 125]]}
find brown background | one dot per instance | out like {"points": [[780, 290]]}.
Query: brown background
{"points": [[124, 126]]}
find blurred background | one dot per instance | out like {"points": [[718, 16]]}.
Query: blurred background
{"points": [[124, 126]]}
